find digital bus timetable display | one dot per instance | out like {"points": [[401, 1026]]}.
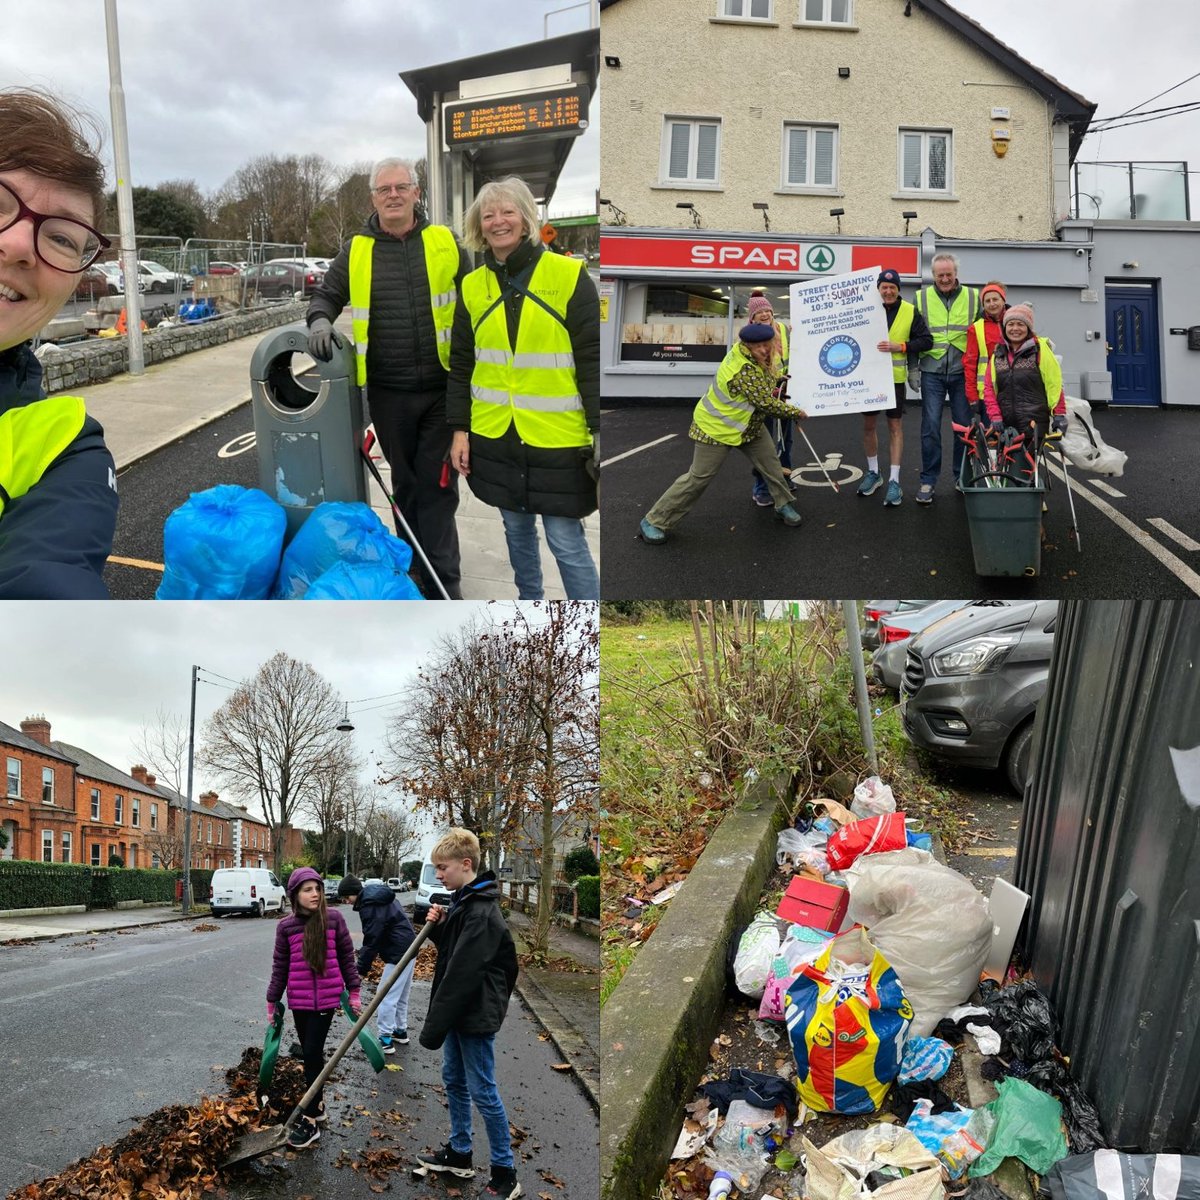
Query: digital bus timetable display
{"points": [[557, 110]]}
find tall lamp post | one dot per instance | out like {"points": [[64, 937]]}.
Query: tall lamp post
{"points": [[345, 725]]}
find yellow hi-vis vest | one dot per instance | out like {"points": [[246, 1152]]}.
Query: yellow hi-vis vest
{"points": [[981, 346], [781, 363], [1048, 368], [899, 331], [718, 414], [949, 327], [532, 384], [441, 263], [31, 438]]}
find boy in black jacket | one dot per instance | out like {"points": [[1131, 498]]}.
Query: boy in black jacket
{"points": [[474, 978], [388, 932]]}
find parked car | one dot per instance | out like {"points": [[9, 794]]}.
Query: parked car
{"points": [[396, 884], [331, 888], [95, 282], [872, 611], [898, 628], [973, 681], [281, 280], [429, 891], [253, 890], [158, 279], [320, 265], [117, 277], [223, 268]]}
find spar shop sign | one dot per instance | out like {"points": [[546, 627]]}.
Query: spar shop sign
{"points": [[707, 255]]}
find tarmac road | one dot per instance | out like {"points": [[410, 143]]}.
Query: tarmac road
{"points": [[727, 547], [114, 1026]]}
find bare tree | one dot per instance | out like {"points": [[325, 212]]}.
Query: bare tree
{"points": [[460, 744], [556, 664], [163, 747], [347, 205], [272, 737], [167, 843], [327, 797], [391, 834]]}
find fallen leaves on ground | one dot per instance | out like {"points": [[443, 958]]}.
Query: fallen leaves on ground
{"points": [[426, 962], [205, 927], [553, 962]]}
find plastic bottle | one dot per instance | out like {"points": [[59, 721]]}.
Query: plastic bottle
{"points": [[721, 1186]]}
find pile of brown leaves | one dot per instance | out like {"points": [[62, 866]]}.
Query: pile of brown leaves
{"points": [[176, 1151], [554, 962], [426, 961]]}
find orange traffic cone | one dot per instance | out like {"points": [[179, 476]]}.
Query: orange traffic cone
{"points": [[122, 323]]}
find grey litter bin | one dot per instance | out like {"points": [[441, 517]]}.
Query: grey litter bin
{"points": [[308, 441]]}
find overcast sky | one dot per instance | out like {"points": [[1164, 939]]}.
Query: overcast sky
{"points": [[126, 661], [209, 86], [1116, 55]]}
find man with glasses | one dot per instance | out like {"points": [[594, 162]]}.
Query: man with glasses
{"points": [[401, 276], [58, 497]]}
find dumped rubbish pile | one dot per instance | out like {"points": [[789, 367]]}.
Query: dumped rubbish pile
{"points": [[860, 1008]]}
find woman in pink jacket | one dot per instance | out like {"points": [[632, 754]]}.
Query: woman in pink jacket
{"points": [[314, 960]]}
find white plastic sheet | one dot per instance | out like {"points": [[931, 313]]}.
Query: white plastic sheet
{"points": [[929, 922], [1084, 446]]}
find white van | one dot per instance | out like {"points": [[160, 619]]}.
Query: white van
{"points": [[429, 891], [252, 890]]}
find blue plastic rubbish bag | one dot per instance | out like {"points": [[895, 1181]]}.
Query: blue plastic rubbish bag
{"points": [[363, 581], [222, 544], [337, 531]]}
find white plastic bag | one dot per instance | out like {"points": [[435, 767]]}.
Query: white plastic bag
{"points": [[1084, 446], [872, 798], [793, 847], [755, 954], [929, 922], [839, 1169]]}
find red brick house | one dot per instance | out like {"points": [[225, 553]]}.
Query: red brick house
{"points": [[38, 813]]}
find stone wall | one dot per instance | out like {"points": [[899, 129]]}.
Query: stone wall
{"points": [[76, 366]]}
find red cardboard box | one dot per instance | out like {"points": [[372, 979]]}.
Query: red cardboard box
{"points": [[816, 905]]}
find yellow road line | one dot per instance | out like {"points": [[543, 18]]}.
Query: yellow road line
{"points": [[135, 562]]}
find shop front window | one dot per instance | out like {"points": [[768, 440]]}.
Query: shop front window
{"points": [[675, 321]]}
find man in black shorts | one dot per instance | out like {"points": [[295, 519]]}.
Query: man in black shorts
{"points": [[907, 336]]}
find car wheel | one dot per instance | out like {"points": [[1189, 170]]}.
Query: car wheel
{"points": [[1016, 758], [261, 909]]}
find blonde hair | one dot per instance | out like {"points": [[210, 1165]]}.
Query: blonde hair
{"points": [[514, 189], [457, 844]]}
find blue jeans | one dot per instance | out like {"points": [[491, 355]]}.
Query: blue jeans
{"points": [[568, 544], [392, 1013], [469, 1073], [934, 390]]}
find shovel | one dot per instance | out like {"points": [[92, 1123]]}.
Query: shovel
{"points": [[274, 1137]]}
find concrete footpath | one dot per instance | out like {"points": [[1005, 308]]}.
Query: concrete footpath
{"points": [[142, 414], [565, 1003]]}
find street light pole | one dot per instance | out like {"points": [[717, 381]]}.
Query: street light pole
{"points": [[187, 828], [854, 644], [129, 262]]}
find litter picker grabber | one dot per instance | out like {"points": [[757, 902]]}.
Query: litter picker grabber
{"points": [[368, 442], [274, 1137], [1056, 438], [783, 395]]}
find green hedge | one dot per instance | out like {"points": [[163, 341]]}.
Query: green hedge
{"points": [[27, 884], [201, 884], [587, 888]]}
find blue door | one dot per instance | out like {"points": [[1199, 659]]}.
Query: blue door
{"points": [[1132, 314]]}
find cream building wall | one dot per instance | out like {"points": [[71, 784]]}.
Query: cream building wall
{"points": [[678, 59]]}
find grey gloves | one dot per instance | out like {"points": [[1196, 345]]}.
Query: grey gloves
{"points": [[1059, 423], [320, 339], [592, 466]]}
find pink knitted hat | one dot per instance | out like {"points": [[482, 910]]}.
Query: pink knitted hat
{"points": [[1020, 312], [758, 304]]}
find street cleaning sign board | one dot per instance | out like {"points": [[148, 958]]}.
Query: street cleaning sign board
{"points": [[837, 323]]}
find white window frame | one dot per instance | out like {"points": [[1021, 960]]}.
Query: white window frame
{"points": [[924, 189], [664, 166], [153, 815], [95, 859], [826, 21], [724, 14], [822, 189], [135, 810], [155, 861], [47, 845], [13, 794], [95, 804], [67, 848], [118, 809], [47, 778]]}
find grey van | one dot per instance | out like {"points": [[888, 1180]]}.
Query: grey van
{"points": [[972, 684]]}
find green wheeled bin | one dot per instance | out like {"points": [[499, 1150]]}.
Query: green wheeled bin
{"points": [[1005, 524]]}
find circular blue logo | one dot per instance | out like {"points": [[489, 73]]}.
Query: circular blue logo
{"points": [[840, 355]]}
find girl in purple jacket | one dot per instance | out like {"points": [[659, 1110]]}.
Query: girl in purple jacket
{"points": [[314, 959]]}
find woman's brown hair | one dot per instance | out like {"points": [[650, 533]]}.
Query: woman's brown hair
{"points": [[314, 931], [40, 134]]}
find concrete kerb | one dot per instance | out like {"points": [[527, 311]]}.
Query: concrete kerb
{"points": [[657, 1025], [570, 1043]]}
